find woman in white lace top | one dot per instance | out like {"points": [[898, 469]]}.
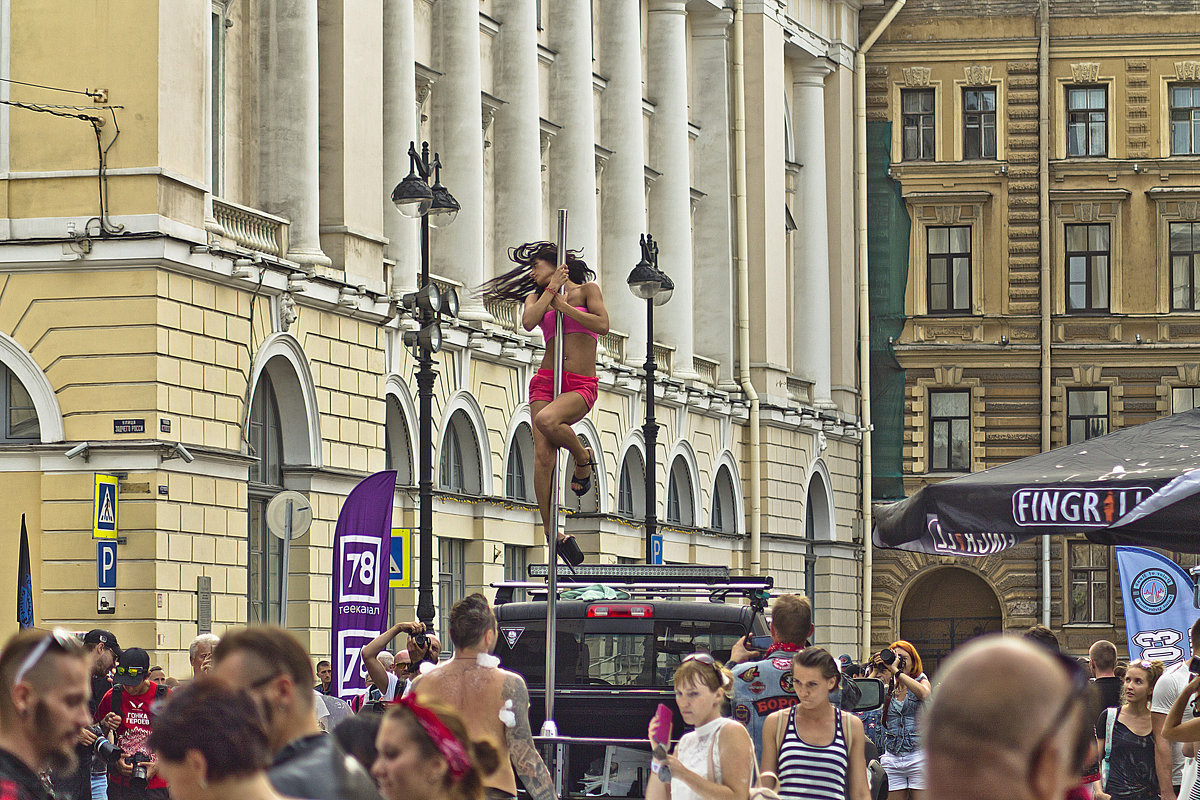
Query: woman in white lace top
{"points": [[713, 761]]}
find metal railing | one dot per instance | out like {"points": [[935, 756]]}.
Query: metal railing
{"points": [[250, 228]]}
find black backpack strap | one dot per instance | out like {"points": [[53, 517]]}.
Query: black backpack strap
{"points": [[117, 705]]}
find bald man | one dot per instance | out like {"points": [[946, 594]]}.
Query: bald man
{"points": [[1007, 722]]}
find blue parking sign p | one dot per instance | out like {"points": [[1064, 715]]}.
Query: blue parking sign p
{"points": [[656, 549], [106, 564]]}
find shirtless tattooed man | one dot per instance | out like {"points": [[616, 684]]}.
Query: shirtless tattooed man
{"points": [[493, 702]]}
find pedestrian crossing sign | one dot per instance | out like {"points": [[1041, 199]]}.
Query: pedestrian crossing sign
{"points": [[400, 572], [104, 507]]}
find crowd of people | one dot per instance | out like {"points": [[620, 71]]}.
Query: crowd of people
{"points": [[1009, 717]]}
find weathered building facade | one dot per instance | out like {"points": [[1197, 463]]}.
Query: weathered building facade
{"points": [[1047, 186], [225, 278]]}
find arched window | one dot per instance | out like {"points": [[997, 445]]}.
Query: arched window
{"points": [[266, 480], [397, 445], [459, 469], [519, 466], [631, 487], [20, 417], [589, 502], [679, 494], [724, 503]]}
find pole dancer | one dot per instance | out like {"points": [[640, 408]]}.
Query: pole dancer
{"points": [[547, 291]]}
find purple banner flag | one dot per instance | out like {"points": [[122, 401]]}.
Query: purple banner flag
{"points": [[361, 552]]}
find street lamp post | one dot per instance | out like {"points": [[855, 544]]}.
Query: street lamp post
{"points": [[414, 197], [649, 283]]}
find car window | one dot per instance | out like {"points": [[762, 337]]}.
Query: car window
{"points": [[637, 653]]}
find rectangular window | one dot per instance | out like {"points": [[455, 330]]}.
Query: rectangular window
{"points": [[979, 123], [1087, 414], [1087, 253], [1185, 266], [1087, 121], [515, 560], [918, 116], [949, 268], [265, 557], [452, 581], [1185, 398], [1185, 119], [950, 426], [1089, 580]]}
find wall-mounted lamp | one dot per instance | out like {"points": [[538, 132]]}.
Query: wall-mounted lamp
{"points": [[1138, 338], [1137, 167], [1004, 169], [1003, 338]]}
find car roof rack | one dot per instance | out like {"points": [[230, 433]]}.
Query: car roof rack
{"points": [[647, 580]]}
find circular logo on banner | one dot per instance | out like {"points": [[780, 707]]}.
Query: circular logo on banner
{"points": [[1153, 590]]}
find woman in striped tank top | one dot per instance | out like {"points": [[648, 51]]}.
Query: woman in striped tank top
{"points": [[814, 747]]}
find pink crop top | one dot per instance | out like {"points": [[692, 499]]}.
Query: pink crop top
{"points": [[569, 325]]}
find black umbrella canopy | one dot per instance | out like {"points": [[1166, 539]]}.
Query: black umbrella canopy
{"points": [[1137, 486]]}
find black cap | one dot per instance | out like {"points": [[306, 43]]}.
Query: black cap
{"points": [[100, 636], [132, 667]]}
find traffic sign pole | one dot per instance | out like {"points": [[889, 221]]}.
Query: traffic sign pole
{"points": [[283, 578]]}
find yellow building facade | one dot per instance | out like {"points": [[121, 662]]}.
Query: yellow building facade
{"points": [[200, 268], [1049, 277]]}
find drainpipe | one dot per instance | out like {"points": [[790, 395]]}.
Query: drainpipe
{"points": [[742, 265], [864, 315], [1044, 251]]}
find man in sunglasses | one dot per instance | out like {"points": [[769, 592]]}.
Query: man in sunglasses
{"points": [[128, 711], [1008, 721], [275, 669], [43, 704]]}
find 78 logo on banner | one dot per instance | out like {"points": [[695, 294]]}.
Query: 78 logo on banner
{"points": [[361, 558]]}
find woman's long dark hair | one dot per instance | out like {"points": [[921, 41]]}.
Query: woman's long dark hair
{"points": [[518, 281]]}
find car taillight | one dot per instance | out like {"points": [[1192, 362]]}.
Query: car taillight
{"points": [[626, 610]]}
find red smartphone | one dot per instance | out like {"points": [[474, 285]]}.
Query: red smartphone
{"points": [[663, 716]]}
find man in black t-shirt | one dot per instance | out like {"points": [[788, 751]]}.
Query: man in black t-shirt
{"points": [[1103, 657], [103, 651]]}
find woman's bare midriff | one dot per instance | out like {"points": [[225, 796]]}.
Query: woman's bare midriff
{"points": [[579, 354]]}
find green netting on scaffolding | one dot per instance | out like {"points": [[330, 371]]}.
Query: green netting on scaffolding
{"points": [[887, 266]]}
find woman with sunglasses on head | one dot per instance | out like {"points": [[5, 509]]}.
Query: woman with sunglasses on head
{"points": [[908, 689], [815, 748], [715, 760], [548, 286], [1125, 739], [426, 754]]}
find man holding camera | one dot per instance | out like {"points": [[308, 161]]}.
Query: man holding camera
{"points": [[422, 647], [43, 704], [128, 710]]}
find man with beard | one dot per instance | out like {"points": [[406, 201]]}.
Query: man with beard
{"points": [[128, 711], [274, 668], [43, 704], [89, 781]]}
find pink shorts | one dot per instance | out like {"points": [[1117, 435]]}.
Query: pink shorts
{"points": [[541, 387]]}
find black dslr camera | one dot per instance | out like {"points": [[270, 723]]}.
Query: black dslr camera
{"points": [[103, 749], [139, 778]]}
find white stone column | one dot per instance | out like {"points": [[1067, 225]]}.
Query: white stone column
{"points": [[623, 203], [288, 125], [812, 326], [573, 151], [517, 129], [713, 239], [457, 251], [399, 129], [670, 197]]}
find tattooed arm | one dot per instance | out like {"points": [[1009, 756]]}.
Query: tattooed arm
{"points": [[526, 760]]}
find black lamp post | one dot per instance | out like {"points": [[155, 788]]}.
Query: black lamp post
{"points": [[413, 197], [650, 284]]}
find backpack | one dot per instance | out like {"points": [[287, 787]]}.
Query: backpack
{"points": [[1110, 719]]}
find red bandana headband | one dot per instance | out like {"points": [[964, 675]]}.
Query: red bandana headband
{"points": [[443, 739]]}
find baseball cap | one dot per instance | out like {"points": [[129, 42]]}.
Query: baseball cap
{"points": [[100, 636], [132, 667]]}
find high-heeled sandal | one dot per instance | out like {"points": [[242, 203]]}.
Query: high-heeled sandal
{"points": [[581, 486]]}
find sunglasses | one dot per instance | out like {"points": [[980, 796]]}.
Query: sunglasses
{"points": [[133, 672], [1080, 688], [65, 641], [703, 658]]}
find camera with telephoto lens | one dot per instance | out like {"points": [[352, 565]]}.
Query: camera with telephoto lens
{"points": [[139, 778], [105, 750], [885, 657]]}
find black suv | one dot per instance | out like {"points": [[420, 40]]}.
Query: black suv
{"points": [[615, 658]]}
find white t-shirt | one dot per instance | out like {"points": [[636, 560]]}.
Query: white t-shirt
{"points": [[1166, 690], [394, 684]]}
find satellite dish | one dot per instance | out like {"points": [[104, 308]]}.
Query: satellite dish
{"points": [[277, 511]]}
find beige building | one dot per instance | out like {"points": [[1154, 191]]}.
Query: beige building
{"points": [[200, 251], [1041, 281]]}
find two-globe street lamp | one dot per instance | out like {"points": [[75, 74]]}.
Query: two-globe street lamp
{"points": [[434, 205], [649, 283]]}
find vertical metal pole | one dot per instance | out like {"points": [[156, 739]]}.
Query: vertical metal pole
{"points": [[425, 378], [284, 568], [650, 434], [549, 728]]}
